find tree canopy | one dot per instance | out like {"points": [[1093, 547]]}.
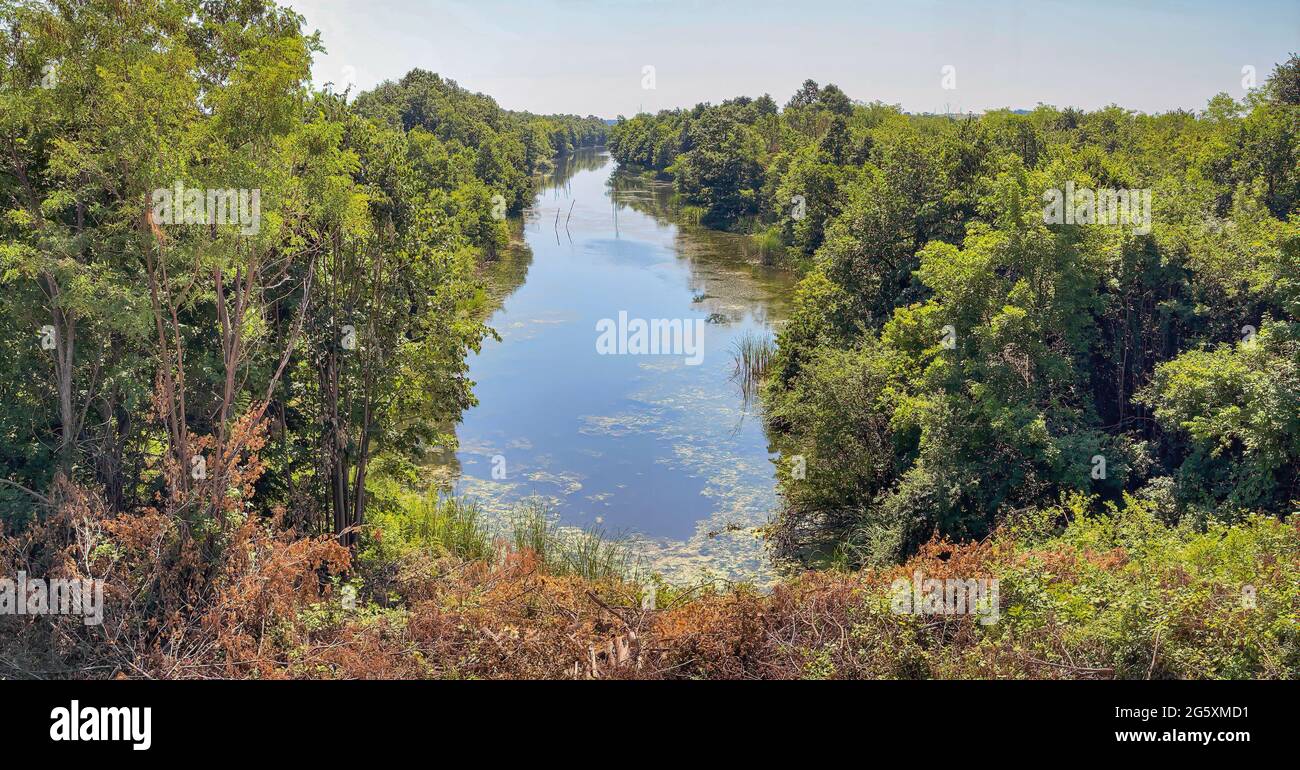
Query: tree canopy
{"points": [[955, 355]]}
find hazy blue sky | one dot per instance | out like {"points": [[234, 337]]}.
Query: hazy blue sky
{"points": [[586, 56]]}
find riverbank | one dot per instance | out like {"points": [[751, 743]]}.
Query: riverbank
{"points": [[1076, 592], [1079, 591]]}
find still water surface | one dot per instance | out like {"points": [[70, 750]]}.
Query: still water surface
{"points": [[638, 445]]}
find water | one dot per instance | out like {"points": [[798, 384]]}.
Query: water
{"points": [[639, 445]]}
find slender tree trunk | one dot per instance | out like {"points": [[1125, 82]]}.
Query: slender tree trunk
{"points": [[171, 368], [359, 487], [335, 450], [65, 345]]}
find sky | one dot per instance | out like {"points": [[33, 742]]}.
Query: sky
{"points": [[591, 56]]}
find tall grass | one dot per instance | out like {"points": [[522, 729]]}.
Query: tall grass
{"points": [[752, 353], [448, 525], [769, 244], [693, 215], [445, 525], [530, 526], [587, 553]]}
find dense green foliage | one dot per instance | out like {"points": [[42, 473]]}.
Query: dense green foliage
{"points": [[956, 355], [208, 369], [505, 148]]}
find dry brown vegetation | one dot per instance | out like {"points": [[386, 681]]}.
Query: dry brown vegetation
{"points": [[253, 599]]}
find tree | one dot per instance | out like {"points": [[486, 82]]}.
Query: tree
{"points": [[806, 96], [721, 172]]}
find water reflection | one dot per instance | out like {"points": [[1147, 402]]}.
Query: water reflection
{"points": [[642, 444]]}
